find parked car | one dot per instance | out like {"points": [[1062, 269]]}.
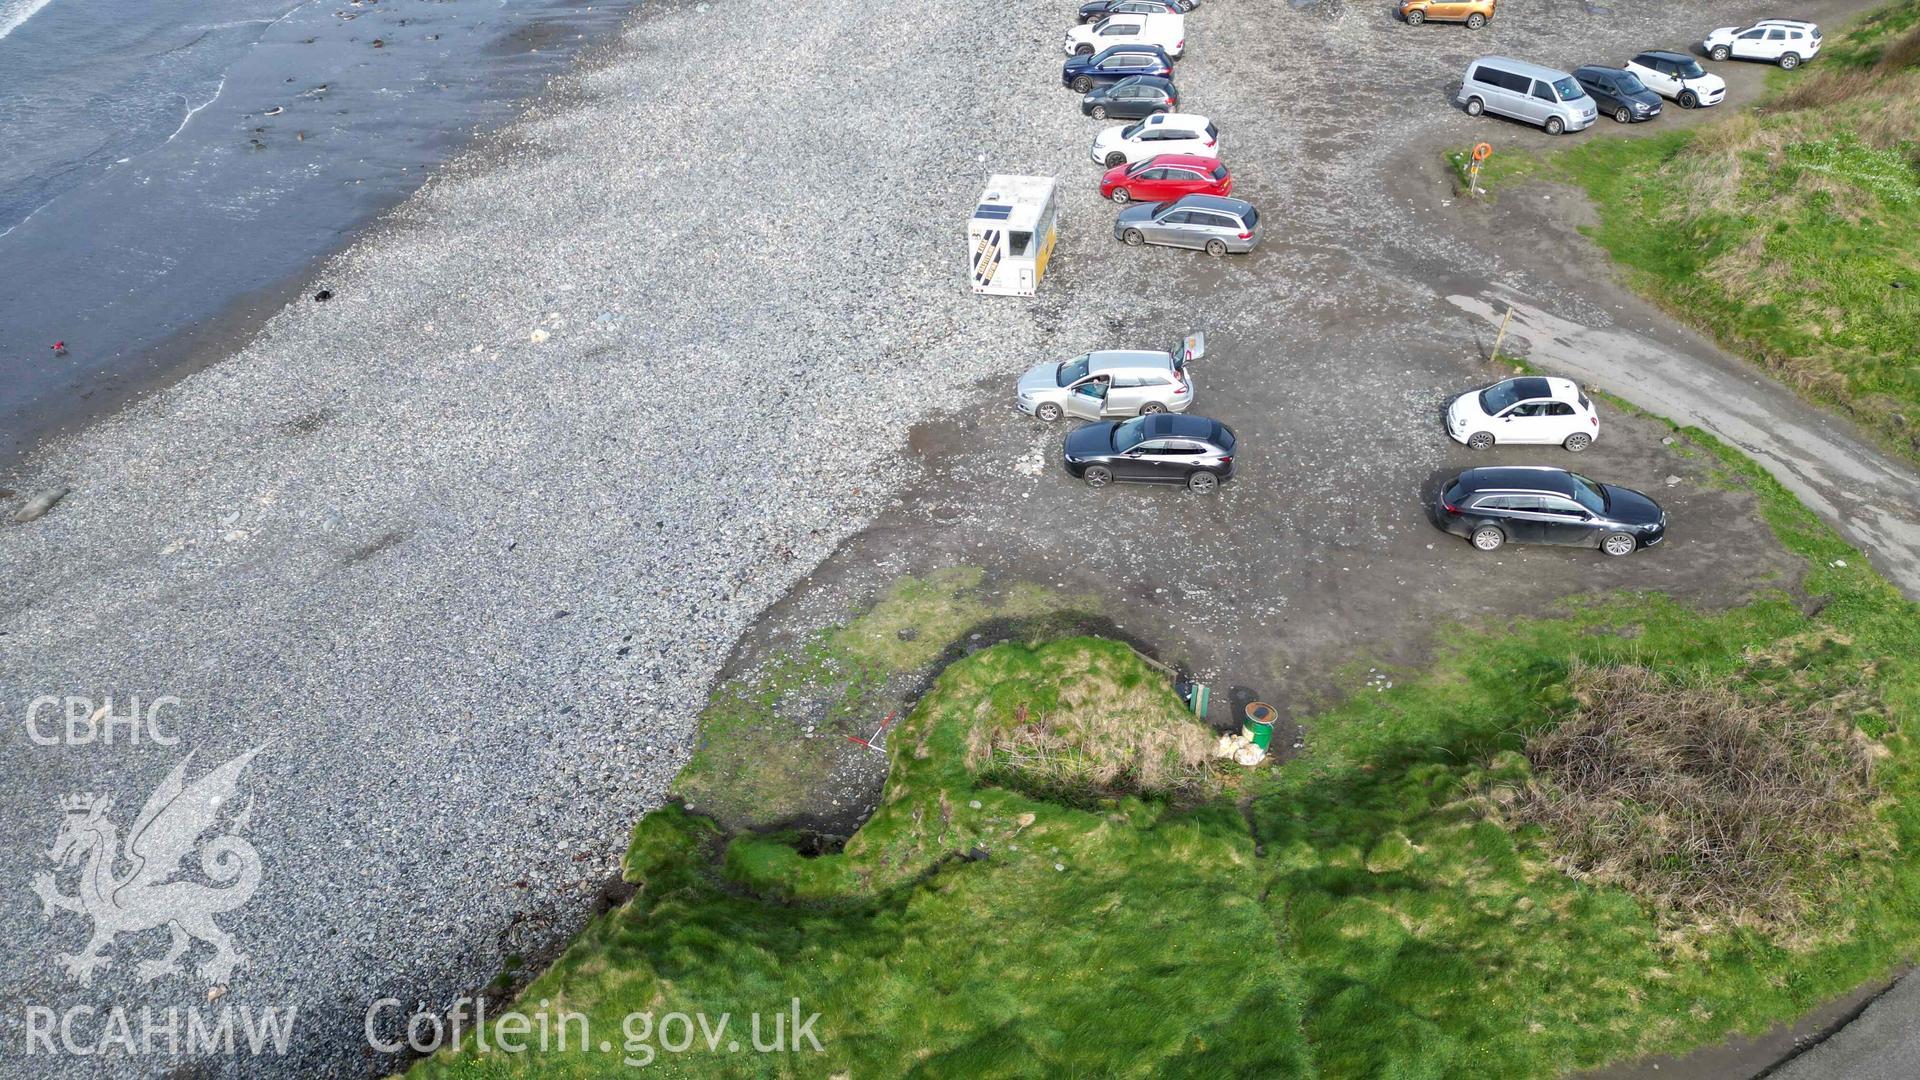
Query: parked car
{"points": [[1539, 505], [1192, 221], [1618, 93], [1096, 10], [1111, 382], [1474, 13], [1787, 42], [1167, 31], [1165, 178], [1162, 133], [1538, 95], [1534, 410], [1131, 98], [1158, 449], [1082, 73], [1679, 77]]}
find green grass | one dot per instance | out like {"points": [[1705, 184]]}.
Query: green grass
{"points": [[1357, 912], [1791, 233]]}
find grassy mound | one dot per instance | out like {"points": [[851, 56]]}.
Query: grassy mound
{"points": [[1357, 912], [1791, 233]]}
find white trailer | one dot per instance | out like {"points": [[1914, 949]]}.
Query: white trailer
{"points": [[1011, 234]]}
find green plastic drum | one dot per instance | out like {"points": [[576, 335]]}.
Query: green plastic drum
{"points": [[1259, 726]]}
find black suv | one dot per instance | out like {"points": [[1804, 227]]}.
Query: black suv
{"points": [[1619, 93], [1540, 505]]}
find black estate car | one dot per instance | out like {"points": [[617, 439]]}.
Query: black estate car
{"points": [[1540, 505], [1082, 73], [1131, 98], [1619, 93], [1094, 10], [1160, 448]]}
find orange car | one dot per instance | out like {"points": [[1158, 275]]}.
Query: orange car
{"points": [[1474, 13]]}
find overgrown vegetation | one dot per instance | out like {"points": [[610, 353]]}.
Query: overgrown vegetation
{"points": [[1365, 910], [1791, 232], [1711, 799]]}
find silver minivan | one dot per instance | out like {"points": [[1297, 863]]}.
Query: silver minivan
{"points": [[1539, 95]]}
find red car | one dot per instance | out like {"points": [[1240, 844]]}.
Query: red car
{"points": [[1165, 178]]}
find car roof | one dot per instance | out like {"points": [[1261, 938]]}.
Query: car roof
{"points": [[1178, 425], [1598, 69], [1119, 359], [1517, 478], [1665, 54], [1792, 24], [1182, 118], [1236, 207], [1158, 53], [1547, 387], [1521, 67], [1159, 81], [1191, 161]]}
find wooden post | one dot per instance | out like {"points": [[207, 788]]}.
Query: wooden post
{"points": [[1502, 336]]}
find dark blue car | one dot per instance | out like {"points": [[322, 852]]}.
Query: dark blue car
{"points": [[1083, 73]]}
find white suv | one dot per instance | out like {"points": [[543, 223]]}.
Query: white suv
{"points": [[1165, 30], [1161, 133], [1786, 42], [1678, 77]]}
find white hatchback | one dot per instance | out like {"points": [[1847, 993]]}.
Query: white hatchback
{"points": [[1529, 410], [1678, 78], [1787, 42], [1165, 30], [1161, 133]]}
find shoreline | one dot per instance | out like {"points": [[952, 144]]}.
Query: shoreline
{"points": [[358, 157]]}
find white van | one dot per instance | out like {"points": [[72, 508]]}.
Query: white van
{"points": [[1523, 91]]}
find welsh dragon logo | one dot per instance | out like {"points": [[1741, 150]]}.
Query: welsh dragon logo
{"points": [[146, 895]]}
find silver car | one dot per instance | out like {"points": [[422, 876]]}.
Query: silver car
{"points": [[1112, 382], [1192, 221]]}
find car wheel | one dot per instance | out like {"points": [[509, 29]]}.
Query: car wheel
{"points": [[1152, 407], [1415, 18], [1578, 441], [1475, 106], [1097, 476], [1082, 84], [1083, 50], [1099, 112], [1555, 125], [1120, 195], [1789, 61], [1488, 538], [1116, 158], [1720, 52], [1216, 248], [1133, 237], [1202, 483], [1160, 110], [1688, 99], [1048, 411], [1480, 440], [1476, 20], [1618, 544], [1622, 116]]}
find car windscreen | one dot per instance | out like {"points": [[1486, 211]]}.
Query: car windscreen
{"points": [[1629, 83], [1128, 434], [1589, 494], [1498, 396], [1074, 370], [1568, 89], [1689, 69], [1131, 130]]}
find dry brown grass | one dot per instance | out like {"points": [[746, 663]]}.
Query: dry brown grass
{"points": [[1706, 804], [1100, 740]]}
